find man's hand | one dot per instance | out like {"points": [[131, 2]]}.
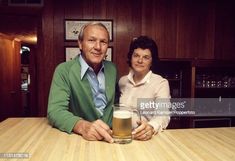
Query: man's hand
{"points": [[97, 130]]}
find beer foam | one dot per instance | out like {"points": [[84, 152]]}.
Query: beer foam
{"points": [[122, 114]]}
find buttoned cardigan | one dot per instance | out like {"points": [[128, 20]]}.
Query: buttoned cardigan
{"points": [[70, 97]]}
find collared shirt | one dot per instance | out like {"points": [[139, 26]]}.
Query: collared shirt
{"points": [[97, 84], [146, 78]]}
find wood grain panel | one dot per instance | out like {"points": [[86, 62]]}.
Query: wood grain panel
{"points": [[165, 27], [16, 79], [73, 9], [194, 30], [45, 59], [136, 11], [88, 9], [10, 77], [58, 32], [225, 30], [124, 34], [100, 9], [148, 18], [6, 55], [112, 14]]}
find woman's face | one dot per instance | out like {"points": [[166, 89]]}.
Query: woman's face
{"points": [[141, 61]]}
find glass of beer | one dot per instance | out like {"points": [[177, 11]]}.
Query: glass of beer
{"points": [[122, 123]]}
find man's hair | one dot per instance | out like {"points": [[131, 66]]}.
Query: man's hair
{"points": [[144, 42], [94, 23]]}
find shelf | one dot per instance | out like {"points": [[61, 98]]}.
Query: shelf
{"points": [[186, 79], [212, 122], [215, 88], [175, 80]]}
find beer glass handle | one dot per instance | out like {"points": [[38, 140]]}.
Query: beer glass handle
{"points": [[138, 113]]}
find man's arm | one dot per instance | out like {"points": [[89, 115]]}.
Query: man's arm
{"points": [[58, 104]]}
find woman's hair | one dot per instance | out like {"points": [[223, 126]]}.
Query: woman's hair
{"points": [[144, 42], [81, 33]]}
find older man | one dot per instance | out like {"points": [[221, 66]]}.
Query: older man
{"points": [[83, 90]]}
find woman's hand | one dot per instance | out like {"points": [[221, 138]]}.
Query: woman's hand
{"points": [[143, 132]]}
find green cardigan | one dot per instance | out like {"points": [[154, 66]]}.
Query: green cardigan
{"points": [[70, 97]]}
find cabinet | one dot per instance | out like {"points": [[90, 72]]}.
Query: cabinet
{"points": [[178, 73], [201, 79], [214, 79]]}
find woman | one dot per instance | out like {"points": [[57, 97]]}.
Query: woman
{"points": [[142, 83]]}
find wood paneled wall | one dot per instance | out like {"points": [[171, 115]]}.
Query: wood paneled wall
{"points": [[10, 80], [202, 29]]}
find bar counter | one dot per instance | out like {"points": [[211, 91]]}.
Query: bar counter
{"points": [[35, 140]]}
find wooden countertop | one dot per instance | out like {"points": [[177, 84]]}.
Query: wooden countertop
{"points": [[35, 137]]}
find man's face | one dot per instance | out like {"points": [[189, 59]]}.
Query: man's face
{"points": [[94, 45]]}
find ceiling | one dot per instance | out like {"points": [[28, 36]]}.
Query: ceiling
{"points": [[20, 22]]}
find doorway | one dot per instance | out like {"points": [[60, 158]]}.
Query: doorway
{"points": [[28, 80]]}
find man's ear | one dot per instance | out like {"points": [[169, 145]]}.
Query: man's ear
{"points": [[79, 44]]}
